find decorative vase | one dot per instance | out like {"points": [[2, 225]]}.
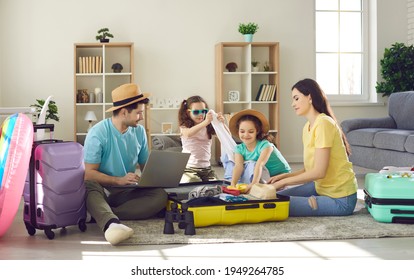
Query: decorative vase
{"points": [[91, 97], [255, 69], [99, 95], [248, 37]]}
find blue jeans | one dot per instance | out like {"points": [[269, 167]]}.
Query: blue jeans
{"points": [[327, 206], [248, 171]]}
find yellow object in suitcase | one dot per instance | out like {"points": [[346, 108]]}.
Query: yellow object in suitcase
{"points": [[252, 211]]}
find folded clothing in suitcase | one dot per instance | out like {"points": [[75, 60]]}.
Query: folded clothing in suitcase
{"points": [[389, 198], [220, 212], [54, 192]]}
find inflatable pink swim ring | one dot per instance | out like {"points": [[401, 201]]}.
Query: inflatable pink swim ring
{"points": [[15, 148]]}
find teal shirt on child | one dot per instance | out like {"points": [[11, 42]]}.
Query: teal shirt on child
{"points": [[117, 153], [276, 164]]}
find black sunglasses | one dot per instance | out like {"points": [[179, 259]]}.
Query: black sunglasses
{"points": [[197, 112]]}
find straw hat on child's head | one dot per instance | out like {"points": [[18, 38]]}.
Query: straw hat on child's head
{"points": [[233, 123]]}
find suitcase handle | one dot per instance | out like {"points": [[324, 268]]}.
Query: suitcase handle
{"points": [[51, 127], [48, 141], [45, 126], [238, 207]]}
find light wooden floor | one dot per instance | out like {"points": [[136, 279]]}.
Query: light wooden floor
{"points": [[91, 245]]}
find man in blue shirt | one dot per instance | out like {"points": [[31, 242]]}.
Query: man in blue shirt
{"points": [[114, 148]]}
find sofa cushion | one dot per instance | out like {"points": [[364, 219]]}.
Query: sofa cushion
{"points": [[400, 108], [363, 137], [409, 144], [393, 139]]}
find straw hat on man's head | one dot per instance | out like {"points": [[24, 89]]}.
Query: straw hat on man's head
{"points": [[234, 121], [125, 95]]}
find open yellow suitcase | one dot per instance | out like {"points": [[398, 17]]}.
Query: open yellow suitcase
{"points": [[230, 213]]}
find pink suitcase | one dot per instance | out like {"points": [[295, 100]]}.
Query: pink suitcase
{"points": [[54, 192]]}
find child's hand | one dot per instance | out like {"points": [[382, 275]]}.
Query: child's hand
{"points": [[220, 117], [249, 187], [209, 117]]}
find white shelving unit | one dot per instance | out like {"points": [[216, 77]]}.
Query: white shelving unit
{"points": [[247, 82], [105, 79]]}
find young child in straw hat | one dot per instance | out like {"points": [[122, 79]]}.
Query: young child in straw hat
{"points": [[256, 155]]}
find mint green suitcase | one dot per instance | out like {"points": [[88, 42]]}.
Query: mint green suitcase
{"points": [[390, 198]]}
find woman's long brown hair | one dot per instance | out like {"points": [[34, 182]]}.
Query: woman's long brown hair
{"points": [[320, 103]]}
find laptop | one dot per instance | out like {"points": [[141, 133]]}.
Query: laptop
{"points": [[163, 169]]}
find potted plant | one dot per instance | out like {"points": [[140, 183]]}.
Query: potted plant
{"points": [[255, 65], [266, 67], [397, 69], [248, 29], [52, 111], [103, 35]]}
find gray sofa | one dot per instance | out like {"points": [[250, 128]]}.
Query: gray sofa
{"points": [[389, 141]]}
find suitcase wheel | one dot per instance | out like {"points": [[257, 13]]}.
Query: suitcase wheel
{"points": [[30, 229], [50, 234], [82, 225]]}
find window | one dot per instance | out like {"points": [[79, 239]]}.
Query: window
{"points": [[341, 48]]}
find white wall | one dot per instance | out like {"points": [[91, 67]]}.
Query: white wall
{"points": [[174, 48], [410, 21]]}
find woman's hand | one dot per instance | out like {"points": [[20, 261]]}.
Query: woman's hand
{"points": [[278, 182], [277, 178], [279, 185]]}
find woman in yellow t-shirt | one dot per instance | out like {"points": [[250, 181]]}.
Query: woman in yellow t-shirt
{"points": [[327, 184]]}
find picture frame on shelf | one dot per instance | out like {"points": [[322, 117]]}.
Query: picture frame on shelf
{"points": [[169, 103], [166, 127], [152, 101], [161, 103]]}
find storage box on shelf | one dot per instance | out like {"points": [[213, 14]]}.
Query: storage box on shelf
{"points": [[96, 75], [247, 88]]}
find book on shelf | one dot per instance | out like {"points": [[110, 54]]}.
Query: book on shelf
{"points": [[259, 92], [97, 64], [80, 70], [93, 65], [266, 92], [90, 64], [100, 64], [274, 90], [83, 64]]}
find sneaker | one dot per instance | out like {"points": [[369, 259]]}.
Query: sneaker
{"points": [[116, 233]]}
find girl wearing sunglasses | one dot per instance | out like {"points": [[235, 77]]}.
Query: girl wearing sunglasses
{"points": [[196, 136]]}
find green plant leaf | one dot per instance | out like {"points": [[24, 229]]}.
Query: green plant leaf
{"points": [[397, 69], [248, 28], [51, 113]]}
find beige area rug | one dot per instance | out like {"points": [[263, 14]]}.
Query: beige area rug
{"points": [[360, 225]]}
